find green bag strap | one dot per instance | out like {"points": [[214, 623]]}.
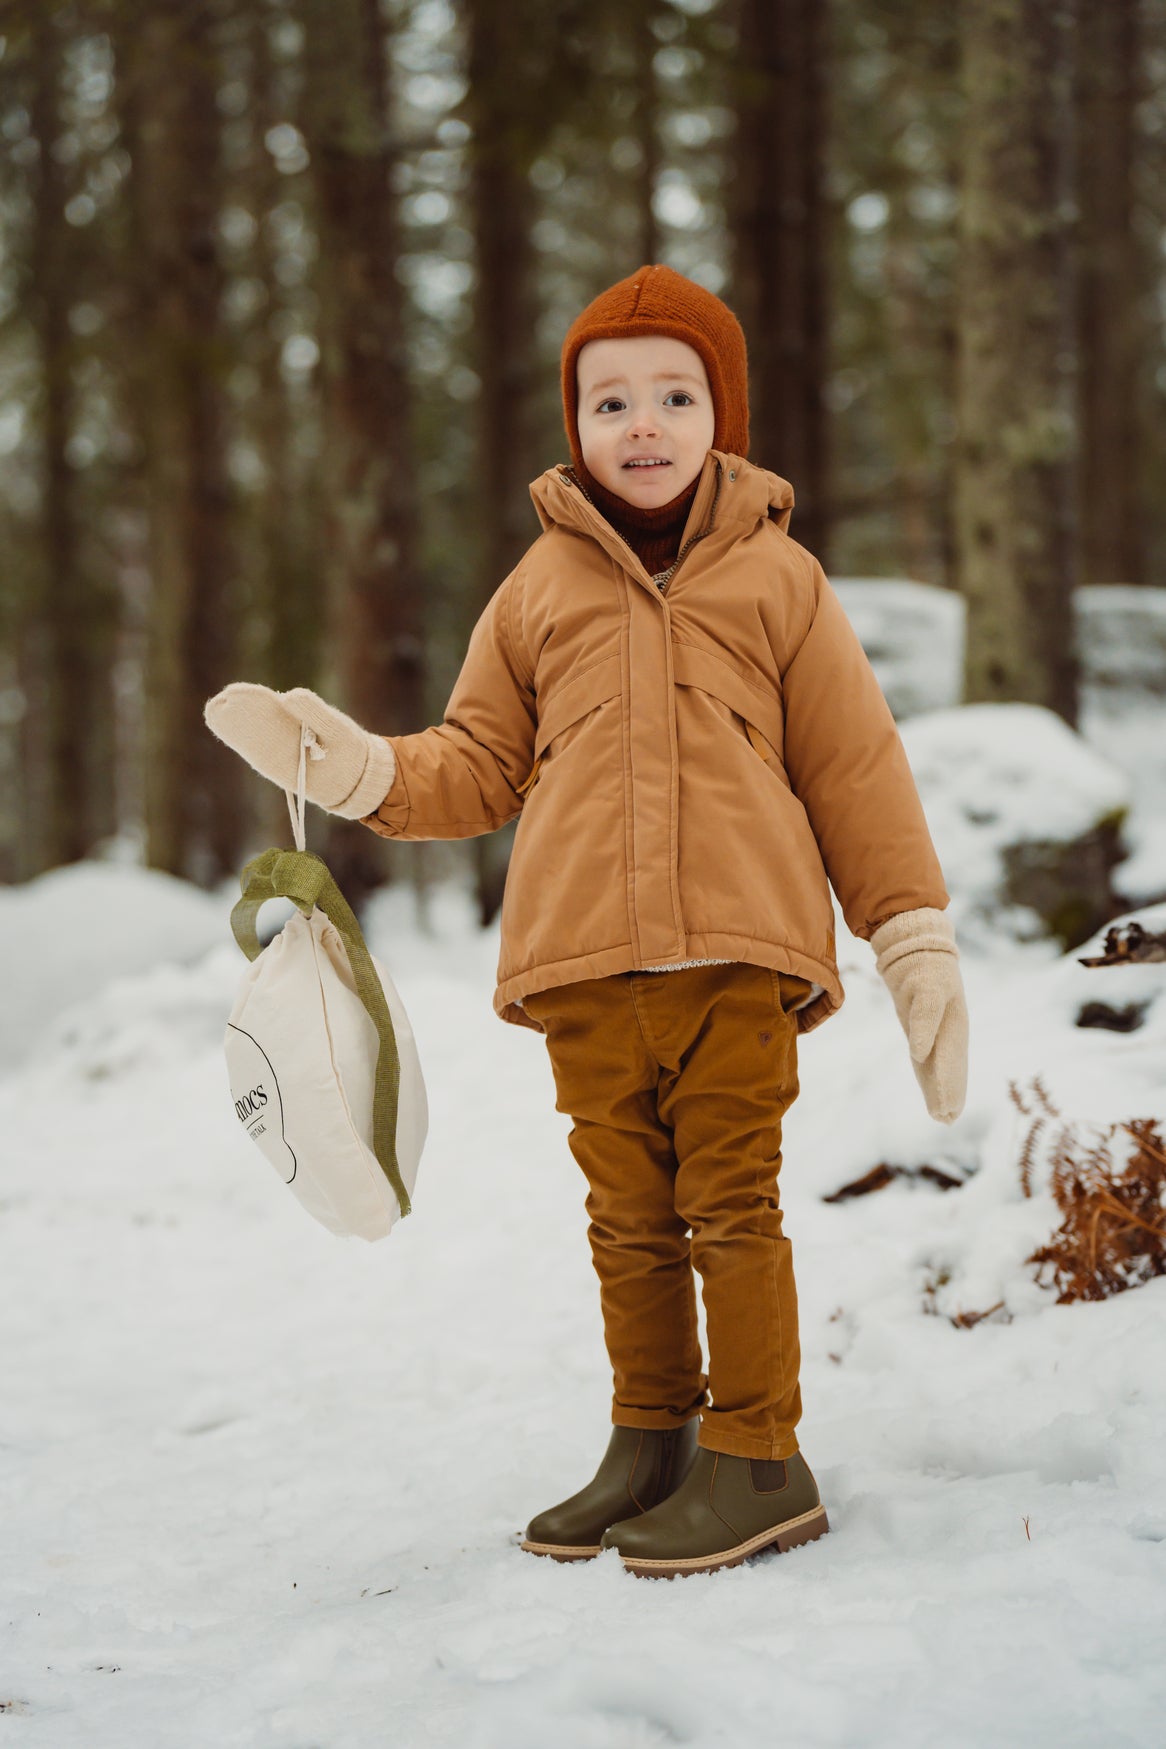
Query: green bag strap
{"points": [[306, 880]]}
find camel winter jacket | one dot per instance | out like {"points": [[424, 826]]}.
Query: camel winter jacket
{"points": [[691, 762]]}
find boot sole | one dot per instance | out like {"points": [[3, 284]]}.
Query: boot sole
{"points": [[562, 1551], [790, 1535]]}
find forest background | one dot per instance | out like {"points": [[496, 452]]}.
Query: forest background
{"points": [[282, 290]]}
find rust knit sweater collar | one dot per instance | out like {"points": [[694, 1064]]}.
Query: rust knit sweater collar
{"points": [[653, 535]]}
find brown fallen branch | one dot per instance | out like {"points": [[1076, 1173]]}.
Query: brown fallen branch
{"points": [[1126, 945], [883, 1174], [968, 1320]]}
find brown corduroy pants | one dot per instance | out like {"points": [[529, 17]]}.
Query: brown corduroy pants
{"points": [[677, 1083]]}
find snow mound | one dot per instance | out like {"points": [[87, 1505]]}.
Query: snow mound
{"points": [[1121, 641], [995, 776], [165, 1016], [913, 635], [1121, 637], [69, 933]]}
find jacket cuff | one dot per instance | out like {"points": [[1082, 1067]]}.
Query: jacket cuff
{"points": [[376, 780], [924, 930]]}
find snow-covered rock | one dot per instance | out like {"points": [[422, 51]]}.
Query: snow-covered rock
{"points": [[1122, 646], [913, 635], [68, 934], [1121, 639], [1025, 815]]}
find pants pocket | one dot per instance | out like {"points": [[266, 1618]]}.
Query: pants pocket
{"points": [[790, 991]]}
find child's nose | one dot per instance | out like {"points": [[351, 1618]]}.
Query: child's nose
{"points": [[644, 423]]}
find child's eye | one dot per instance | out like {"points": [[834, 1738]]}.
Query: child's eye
{"points": [[612, 401], [684, 396]]}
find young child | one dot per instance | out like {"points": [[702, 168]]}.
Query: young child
{"points": [[668, 693]]}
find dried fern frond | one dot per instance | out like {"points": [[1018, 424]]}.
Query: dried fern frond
{"points": [[1028, 1152], [1113, 1234]]}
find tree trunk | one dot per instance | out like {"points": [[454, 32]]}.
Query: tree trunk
{"points": [[777, 218], [368, 442], [193, 824], [67, 672], [644, 46], [507, 111], [1016, 508], [293, 604], [1113, 287]]}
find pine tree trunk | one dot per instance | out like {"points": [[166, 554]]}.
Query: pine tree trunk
{"points": [[368, 443], [777, 214], [644, 44], [293, 603], [1113, 287], [1016, 509], [508, 112], [70, 681], [193, 824]]}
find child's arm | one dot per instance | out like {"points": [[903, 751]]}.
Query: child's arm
{"points": [[455, 780], [846, 762], [466, 775]]}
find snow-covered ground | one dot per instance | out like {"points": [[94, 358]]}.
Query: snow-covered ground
{"points": [[260, 1486]]}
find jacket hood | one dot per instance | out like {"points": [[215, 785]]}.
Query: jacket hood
{"points": [[748, 494]]}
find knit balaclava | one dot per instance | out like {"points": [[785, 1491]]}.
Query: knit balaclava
{"points": [[658, 300]]}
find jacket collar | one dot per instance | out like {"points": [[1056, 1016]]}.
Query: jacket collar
{"points": [[748, 495]]}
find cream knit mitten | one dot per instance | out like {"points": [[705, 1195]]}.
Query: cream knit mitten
{"points": [[919, 962], [348, 771]]}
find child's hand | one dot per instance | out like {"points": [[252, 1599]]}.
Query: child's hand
{"points": [[919, 962], [347, 771]]}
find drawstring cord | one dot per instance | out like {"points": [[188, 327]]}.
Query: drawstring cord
{"points": [[296, 804]]}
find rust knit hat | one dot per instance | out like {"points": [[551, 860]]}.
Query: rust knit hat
{"points": [[658, 300]]}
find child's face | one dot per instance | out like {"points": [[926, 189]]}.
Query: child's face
{"points": [[644, 399]]}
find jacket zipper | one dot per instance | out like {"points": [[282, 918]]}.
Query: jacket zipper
{"points": [[665, 577], [691, 542]]}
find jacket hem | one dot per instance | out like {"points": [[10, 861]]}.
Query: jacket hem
{"points": [[607, 962]]}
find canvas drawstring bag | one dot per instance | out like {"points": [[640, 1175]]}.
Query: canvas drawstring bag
{"points": [[321, 1058]]}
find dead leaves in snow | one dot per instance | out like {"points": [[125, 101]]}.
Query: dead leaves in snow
{"points": [[1113, 1235]]}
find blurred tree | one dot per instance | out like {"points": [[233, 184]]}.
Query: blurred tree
{"points": [[368, 451], [69, 646], [278, 360], [1113, 330], [177, 366], [1016, 500], [778, 224], [290, 503], [891, 150], [644, 22], [511, 109]]}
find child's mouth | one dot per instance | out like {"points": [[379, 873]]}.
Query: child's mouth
{"points": [[647, 464]]}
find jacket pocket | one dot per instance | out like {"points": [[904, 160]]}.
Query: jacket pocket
{"points": [[568, 705], [760, 710]]}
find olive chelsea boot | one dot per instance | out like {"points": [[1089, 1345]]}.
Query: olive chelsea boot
{"points": [[726, 1509], [640, 1468]]}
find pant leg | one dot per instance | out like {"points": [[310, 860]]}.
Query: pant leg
{"points": [[728, 1054], [606, 1081]]}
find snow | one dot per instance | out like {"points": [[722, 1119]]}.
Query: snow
{"points": [[1121, 640], [61, 935], [263, 1487], [913, 634], [995, 775]]}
